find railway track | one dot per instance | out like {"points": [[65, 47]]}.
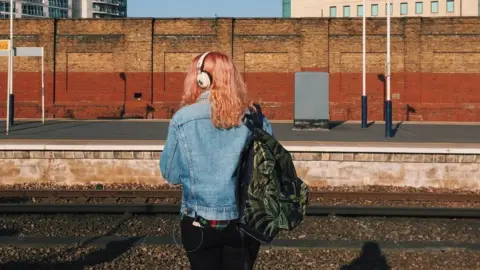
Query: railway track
{"points": [[46, 241], [144, 195], [134, 243], [140, 202]]}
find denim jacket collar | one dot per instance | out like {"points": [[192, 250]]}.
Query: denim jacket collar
{"points": [[204, 96]]}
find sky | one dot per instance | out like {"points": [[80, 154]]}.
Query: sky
{"points": [[204, 8]]}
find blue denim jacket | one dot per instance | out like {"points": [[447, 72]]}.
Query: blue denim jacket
{"points": [[204, 159]]}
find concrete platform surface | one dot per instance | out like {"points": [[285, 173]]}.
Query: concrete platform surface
{"points": [[157, 131]]}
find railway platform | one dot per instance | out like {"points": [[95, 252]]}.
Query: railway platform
{"points": [[441, 155], [154, 130]]}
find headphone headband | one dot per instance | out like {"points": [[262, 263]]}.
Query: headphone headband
{"points": [[200, 62]]}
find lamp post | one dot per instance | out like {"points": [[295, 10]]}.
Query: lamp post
{"points": [[11, 99], [388, 101], [364, 69]]}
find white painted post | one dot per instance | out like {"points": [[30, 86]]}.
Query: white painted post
{"points": [[7, 119], [388, 50], [11, 46], [43, 86], [12, 53], [364, 68], [364, 51], [388, 103]]}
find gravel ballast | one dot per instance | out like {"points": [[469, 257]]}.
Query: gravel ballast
{"points": [[317, 201], [132, 186], [322, 228], [314, 201], [121, 256]]}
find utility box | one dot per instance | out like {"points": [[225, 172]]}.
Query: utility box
{"points": [[312, 103]]}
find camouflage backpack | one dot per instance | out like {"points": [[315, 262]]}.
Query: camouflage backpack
{"points": [[270, 195]]}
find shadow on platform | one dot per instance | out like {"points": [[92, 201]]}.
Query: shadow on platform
{"points": [[37, 127], [396, 128], [334, 124], [371, 257]]}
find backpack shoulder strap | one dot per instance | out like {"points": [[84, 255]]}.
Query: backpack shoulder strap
{"points": [[254, 119]]}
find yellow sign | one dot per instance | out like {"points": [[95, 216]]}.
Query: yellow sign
{"points": [[4, 45]]}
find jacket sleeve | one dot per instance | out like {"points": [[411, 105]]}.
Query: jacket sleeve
{"points": [[170, 161], [265, 123], [267, 126]]}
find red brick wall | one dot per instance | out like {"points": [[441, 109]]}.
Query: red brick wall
{"points": [[95, 67]]}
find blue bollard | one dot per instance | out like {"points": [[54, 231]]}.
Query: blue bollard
{"points": [[388, 119], [12, 109], [364, 112]]}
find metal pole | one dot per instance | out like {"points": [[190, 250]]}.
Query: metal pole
{"points": [[7, 118], [43, 86], [388, 102], [12, 53], [364, 69]]}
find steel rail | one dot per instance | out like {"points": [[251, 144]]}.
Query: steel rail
{"points": [[314, 210], [314, 195], [41, 241], [398, 196]]}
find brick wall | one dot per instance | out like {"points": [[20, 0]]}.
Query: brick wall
{"points": [[94, 68]]}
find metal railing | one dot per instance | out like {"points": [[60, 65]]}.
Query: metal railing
{"points": [[110, 2]]}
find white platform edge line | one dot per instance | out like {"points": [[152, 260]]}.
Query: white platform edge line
{"points": [[376, 149], [291, 148]]}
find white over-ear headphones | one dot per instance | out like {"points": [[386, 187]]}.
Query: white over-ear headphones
{"points": [[203, 78]]}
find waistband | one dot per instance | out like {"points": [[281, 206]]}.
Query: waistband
{"points": [[223, 213]]}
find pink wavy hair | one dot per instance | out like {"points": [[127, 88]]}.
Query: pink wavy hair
{"points": [[228, 90]]}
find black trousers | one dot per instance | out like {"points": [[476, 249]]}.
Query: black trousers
{"points": [[212, 249]]}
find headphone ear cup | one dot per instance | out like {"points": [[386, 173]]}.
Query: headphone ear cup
{"points": [[203, 80]]}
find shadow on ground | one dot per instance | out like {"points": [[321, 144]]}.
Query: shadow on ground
{"points": [[108, 254], [15, 200], [370, 258], [8, 232]]}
